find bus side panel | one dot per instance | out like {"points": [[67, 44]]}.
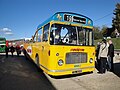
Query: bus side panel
{"points": [[40, 49], [44, 56]]}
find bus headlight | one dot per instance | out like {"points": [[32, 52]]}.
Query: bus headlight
{"points": [[60, 62], [91, 60]]}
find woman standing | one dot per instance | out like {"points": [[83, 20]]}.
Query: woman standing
{"points": [[103, 52]]}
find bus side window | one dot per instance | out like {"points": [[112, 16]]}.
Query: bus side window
{"points": [[46, 32], [40, 35], [36, 37]]}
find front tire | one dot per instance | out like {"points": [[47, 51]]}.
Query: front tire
{"points": [[38, 64], [37, 60]]}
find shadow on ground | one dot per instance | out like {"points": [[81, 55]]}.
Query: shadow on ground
{"points": [[17, 73], [71, 75], [117, 69]]}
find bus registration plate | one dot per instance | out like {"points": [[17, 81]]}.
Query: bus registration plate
{"points": [[76, 72], [75, 66]]}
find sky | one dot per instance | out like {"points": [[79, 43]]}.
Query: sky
{"points": [[20, 18]]}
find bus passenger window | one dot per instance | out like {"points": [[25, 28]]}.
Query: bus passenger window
{"points": [[90, 38], [55, 36], [36, 37], [40, 35], [81, 36], [51, 37], [46, 32]]}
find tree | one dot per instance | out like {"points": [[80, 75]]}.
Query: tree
{"points": [[97, 33], [111, 32], [116, 19], [104, 31], [113, 35]]}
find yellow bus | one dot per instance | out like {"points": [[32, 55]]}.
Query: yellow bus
{"points": [[63, 44]]}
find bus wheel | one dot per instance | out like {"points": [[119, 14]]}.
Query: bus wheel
{"points": [[37, 60], [37, 63]]}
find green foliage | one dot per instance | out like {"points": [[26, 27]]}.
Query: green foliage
{"points": [[116, 19], [97, 33], [104, 30], [113, 35], [100, 33], [116, 42]]}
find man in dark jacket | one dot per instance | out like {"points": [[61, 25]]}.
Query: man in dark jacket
{"points": [[6, 50], [12, 49], [97, 53], [111, 54]]}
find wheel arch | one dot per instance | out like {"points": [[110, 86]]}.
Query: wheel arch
{"points": [[37, 59]]}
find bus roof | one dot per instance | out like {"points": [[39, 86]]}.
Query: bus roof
{"points": [[2, 38], [69, 17]]}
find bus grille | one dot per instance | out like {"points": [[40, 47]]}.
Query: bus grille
{"points": [[76, 57]]}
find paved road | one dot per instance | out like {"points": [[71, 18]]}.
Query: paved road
{"points": [[17, 73], [91, 81]]}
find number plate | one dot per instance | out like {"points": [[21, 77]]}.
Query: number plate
{"points": [[76, 72], [75, 66]]}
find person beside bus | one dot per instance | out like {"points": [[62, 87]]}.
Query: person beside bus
{"points": [[97, 53], [111, 55], [12, 49], [6, 51], [18, 50], [103, 52]]}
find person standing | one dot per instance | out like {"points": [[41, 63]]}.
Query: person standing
{"points": [[103, 52], [97, 52], [12, 49], [6, 50], [18, 50], [111, 54]]}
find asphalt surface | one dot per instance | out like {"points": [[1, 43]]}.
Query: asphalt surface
{"points": [[17, 73], [91, 81]]}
